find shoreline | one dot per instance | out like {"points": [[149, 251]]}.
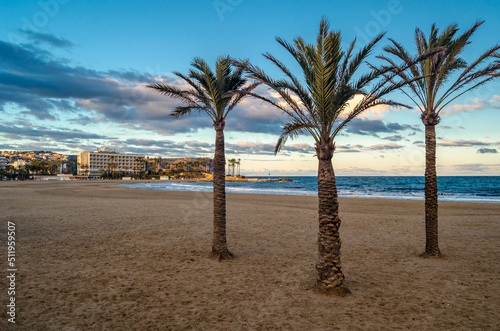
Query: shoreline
{"points": [[394, 197], [121, 184]]}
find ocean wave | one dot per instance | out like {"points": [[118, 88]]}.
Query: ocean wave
{"points": [[473, 189]]}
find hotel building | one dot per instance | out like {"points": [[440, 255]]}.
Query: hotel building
{"points": [[95, 163]]}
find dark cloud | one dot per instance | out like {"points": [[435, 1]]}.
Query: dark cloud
{"points": [[397, 137], [268, 148], [46, 38], [164, 148], [23, 132], [374, 127], [398, 127], [487, 150], [44, 87]]}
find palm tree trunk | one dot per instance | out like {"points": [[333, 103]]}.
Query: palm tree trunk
{"points": [[330, 277], [431, 192], [219, 246]]}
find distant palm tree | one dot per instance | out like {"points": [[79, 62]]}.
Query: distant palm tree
{"points": [[322, 107], [433, 94], [27, 167], [230, 167], [140, 161], [208, 93]]}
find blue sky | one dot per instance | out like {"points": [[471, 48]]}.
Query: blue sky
{"points": [[72, 78]]}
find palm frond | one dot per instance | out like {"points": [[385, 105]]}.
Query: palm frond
{"points": [[290, 131], [315, 103], [433, 91], [207, 90]]}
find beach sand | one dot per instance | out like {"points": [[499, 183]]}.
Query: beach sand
{"points": [[95, 256]]}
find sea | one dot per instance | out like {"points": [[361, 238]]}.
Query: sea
{"points": [[451, 188]]}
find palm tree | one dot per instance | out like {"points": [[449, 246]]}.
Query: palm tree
{"points": [[230, 165], [140, 161], [27, 167], [160, 162], [433, 94], [181, 166], [11, 169], [208, 93], [322, 107]]}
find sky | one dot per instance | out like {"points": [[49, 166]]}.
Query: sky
{"points": [[73, 76]]}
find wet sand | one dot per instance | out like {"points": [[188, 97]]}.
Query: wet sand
{"points": [[95, 256]]}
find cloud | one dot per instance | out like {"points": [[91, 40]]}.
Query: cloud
{"points": [[463, 143], [395, 138], [463, 108], [374, 127], [46, 38], [37, 82], [381, 147], [487, 150], [281, 172], [359, 171], [447, 127], [17, 133], [348, 148], [165, 147], [253, 115], [244, 147], [196, 148], [477, 104], [374, 113], [45, 87], [477, 168]]}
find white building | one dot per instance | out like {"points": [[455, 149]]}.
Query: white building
{"points": [[18, 164], [102, 160], [3, 162]]}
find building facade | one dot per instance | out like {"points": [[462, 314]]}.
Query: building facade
{"points": [[3, 162], [103, 160]]}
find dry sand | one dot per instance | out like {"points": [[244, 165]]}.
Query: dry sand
{"points": [[94, 256]]}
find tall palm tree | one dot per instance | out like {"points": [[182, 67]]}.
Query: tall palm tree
{"points": [[322, 105], [433, 93], [208, 93]]}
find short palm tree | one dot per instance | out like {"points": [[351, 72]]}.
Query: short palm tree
{"points": [[322, 105], [208, 93], [433, 93]]}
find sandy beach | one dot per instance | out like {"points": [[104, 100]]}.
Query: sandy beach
{"points": [[95, 256]]}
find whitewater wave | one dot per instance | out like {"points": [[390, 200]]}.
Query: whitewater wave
{"points": [[472, 189]]}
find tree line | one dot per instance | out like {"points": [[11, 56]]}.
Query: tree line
{"points": [[34, 167]]}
